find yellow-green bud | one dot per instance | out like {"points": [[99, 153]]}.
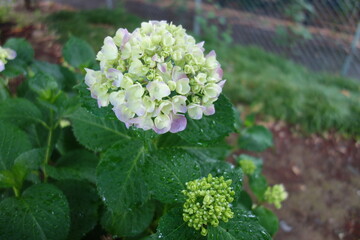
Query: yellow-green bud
{"points": [[275, 195], [247, 166], [207, 201]]}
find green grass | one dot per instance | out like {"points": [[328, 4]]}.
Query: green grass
{"points": [[278, 87]]}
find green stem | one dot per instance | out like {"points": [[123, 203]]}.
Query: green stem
{"points": [[16, 191], [48, 147]]}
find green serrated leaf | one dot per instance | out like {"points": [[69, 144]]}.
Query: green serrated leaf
{"points": [[119, 177], [167, 171], [173, 227], [23, 49], [84, 205], [244, 201], [41, 213], [78, 53], [76, 165], [130, 221], [244, 226], [267, 219], [67, 141], [13, 142], [96, 133], [44, 85], [258, 185], [210, 129], [20, 111], [256, 138]]}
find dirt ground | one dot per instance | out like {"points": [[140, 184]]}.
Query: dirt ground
{"points": [[321, 174]]}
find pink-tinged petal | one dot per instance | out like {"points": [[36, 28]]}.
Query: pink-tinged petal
{"points": [[178, 123], [219, 72], [162, 67], [211, 54], [177, 74], [201, 46], [210, 110], [221, 83], [114, 75], [11, 53], [2, 66], [126, 37], [161, 131]]}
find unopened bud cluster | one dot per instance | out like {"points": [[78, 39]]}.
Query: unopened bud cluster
{"points": [[154, 75], [275, 195], [208, 202], [6, 54], [247, 166]]}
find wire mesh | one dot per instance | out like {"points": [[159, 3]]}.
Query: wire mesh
{"points": [[319, 34]]}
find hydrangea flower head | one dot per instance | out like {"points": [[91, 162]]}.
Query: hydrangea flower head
{"points": [[208, 201], [247, 166], [6, 54], [275, 195], [155, 75]]}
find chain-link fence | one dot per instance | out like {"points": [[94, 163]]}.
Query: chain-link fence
{"points": [[323, 35]]}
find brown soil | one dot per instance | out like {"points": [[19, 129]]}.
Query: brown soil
{"points": [[322, 176]]}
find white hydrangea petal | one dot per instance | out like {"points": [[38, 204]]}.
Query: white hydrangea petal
{"points": [[124, 114], [195, 111], [182, 86], [115, 75], [144, 122], [136, 106], [212, 90], [162, 123], [148, 104], [178, 123], [158, 90], [11, 54], [135, 91], [179, 104], [117, 98], [109, 50]]}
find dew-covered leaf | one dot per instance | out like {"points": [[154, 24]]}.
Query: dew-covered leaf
{"points": [[173, 227], [167, 171], [13, 142], [97, 133], [76, 165], [129, 221], [84, 203], [211, 128], [244, 226], [41, 213], [119, 176], [267, 219]]}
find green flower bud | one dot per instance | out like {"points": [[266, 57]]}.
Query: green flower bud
{"points": [[208, 202], [247, 166], [276, 195]]}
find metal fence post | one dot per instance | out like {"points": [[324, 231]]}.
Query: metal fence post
{"points": [[349, 58], [196, 26]]}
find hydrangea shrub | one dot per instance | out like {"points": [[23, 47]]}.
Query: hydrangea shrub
{"points": [[145, 159]]}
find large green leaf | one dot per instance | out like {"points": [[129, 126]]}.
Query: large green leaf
{"points": [[20, 111], [244, 226], [44, 85], [167, 171], [173, 227], [119, 176], [97, 133], [258, 185], [267, 219], [84, 203], [23, 49], [13, 142], [77, 165], [78, 53], [211, 128], [41, 213], [255, 138], [129, 221]]}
